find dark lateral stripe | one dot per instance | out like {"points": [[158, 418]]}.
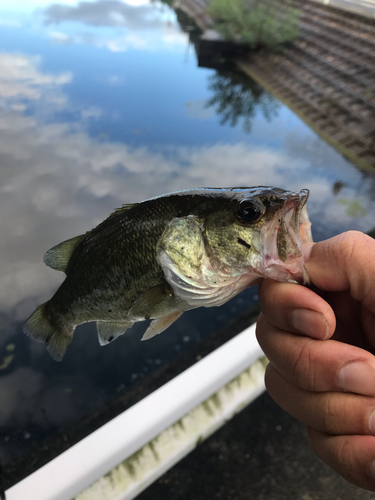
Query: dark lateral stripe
{"points": [[244, 243]]}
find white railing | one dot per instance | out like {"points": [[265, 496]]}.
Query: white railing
{"points": [[183, 402]]}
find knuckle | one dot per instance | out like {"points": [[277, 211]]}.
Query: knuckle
{"points": [[261, 331], [271, 376], [356, 251], [350, 241], [345, 460], [340, 413], [353, 244], [260, 324], [303, 367], [327, 413], [349, 455], [268, 378], [342, 453]]}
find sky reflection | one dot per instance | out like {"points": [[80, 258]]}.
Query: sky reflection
{"points": [[131, 25], [101, 103]]}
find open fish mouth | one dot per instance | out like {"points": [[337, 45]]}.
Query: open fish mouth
{"points": [[283, 253]]}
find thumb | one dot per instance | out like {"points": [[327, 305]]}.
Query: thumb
{"points": [[345, 262]]}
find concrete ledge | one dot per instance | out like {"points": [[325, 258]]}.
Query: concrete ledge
{"points": [[95, 456], [135, 474]]}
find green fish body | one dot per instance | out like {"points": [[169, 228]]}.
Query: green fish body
{"points": [[163, 256]]}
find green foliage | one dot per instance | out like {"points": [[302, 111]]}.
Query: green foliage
{"points": [[355, 209], [267, 23]]}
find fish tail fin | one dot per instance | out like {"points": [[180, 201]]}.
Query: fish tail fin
{"points": [[39, 328]]}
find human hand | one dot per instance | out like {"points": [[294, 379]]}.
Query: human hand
{"points": [[320, 343]]}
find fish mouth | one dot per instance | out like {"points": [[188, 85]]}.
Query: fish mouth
{"points": [[283, 240]]}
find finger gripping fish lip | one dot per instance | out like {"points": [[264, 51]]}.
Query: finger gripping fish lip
{"points": [[284, 257]]}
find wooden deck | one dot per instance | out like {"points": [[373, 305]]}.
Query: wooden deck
{"points": [[327, 76]]}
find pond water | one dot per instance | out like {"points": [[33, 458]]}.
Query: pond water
{"points": [[102, 103]]}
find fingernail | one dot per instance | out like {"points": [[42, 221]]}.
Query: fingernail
{"points": [[371, 422], [310, 323], [357, 377]]}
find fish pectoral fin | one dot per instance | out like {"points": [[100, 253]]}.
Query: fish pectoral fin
{"points": [[108, 331], [147, 304], [58, 257], [160, 324]]}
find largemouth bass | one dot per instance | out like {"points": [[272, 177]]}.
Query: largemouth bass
{"points": [[166, 255]]}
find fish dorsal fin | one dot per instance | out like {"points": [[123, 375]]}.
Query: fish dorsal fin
{"points": [[122, 209], [58, 256]]}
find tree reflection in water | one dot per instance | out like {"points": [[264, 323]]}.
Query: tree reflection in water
{"points": [[236, 96]]}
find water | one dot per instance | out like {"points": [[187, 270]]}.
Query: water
{"points": [[101, 104]]}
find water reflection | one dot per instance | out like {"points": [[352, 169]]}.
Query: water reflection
{"points": [[236, 96], [70, 154], [115, 25], [337, 187], [109, 13]]}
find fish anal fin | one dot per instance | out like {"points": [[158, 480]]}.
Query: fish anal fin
{"points": [[58, 256], [160, 324], [149, 303], [108, 331], [39, 328]]}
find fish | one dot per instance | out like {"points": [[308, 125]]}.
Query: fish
{"points": [[156, 259]]}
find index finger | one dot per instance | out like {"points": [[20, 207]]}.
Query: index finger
{"points": [[345, 262], [317, 365], [296, 309]]}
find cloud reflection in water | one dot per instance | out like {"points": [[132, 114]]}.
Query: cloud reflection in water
{"points": [[134, 24], [106, 13]]}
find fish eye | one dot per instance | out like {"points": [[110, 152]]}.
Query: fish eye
{"points": [[249, 211]]}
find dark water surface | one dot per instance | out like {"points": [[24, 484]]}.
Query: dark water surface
{"points": [[102, 103]]}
